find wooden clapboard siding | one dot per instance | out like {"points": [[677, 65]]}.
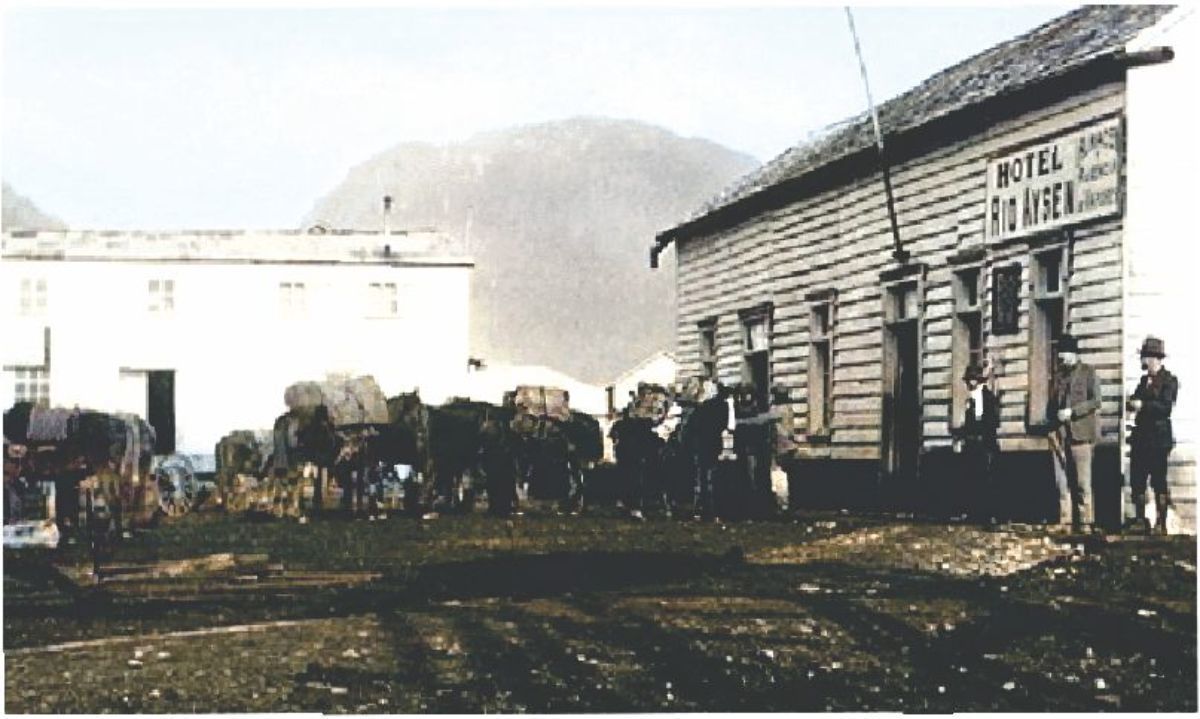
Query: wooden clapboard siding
{"points": [[840, 239]]}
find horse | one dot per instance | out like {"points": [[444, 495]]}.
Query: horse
{"points": [[303, 439], [98, 460], [239, 454]]}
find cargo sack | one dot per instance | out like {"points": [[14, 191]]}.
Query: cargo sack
{"points": [[548, 402], [350, 400]]}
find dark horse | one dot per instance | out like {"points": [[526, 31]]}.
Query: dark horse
{"points": [[678, 468], [443, 444], [462, 441]]}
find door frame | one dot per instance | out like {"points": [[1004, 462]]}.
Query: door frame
{"points": [[143, 410], [891, 283]]}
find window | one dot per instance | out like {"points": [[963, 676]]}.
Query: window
{"points": [[162, 296], [382, 300], [1049, 276], [906, 302], [1047, 322], [292, 299], [966, 289], [32, 385], [820, 368], [756, 339], [33, 297], [967, 335], [708, 349], [756, 353]]}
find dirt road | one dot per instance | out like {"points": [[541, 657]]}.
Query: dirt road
{"points": [[600, 614]]}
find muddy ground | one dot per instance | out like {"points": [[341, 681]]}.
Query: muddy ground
{"points": [[815, 612]]}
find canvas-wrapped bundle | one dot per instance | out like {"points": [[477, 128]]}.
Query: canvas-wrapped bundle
{"points": [[350, 400], [543, 402], [303, 396], [125, 440], [242, 451], [50, 424]]}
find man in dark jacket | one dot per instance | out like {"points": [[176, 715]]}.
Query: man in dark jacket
{"points": [[706, 428], [1152, 438], [976, 441], [1074, 411], [318, 447], [498, 458]]}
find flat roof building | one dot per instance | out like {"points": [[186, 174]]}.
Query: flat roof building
{"points": [[200, 332]]}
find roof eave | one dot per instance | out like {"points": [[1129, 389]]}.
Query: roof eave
{"points": [[772, 196]]}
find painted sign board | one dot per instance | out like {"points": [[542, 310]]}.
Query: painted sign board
{"points": [[1060, 182]]}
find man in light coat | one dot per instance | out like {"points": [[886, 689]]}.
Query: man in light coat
{"points": [[1074, 413]]}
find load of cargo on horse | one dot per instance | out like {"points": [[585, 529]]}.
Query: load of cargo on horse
{"points": [[72, 468], [700, 450], [343, 437]]}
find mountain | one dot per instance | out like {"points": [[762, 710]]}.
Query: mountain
{"points": [[17, 212], [560, 217]]}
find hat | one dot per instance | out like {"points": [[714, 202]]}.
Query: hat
{"points": [[1068, 343], [973, 371], [1153, 347]]}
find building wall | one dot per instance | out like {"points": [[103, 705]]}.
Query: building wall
{"points": [[840, 239], [233, 343], [1161, 294]]}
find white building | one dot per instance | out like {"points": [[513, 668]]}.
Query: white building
{"points": [[660, 368], [201, 332]]}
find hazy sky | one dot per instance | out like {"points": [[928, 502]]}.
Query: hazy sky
{"points": [[237, 117]]}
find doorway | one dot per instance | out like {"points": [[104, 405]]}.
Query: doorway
{"points": [[902, 433], [902, 401], [160, 409]]}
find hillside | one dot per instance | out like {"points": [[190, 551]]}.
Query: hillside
{"points": [[19, 213], [560, 217]]}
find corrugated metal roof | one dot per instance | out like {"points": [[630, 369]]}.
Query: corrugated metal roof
{"points": [[1049, 50]]}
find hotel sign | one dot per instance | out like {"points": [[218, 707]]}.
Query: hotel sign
{"points": [[1067, 180]]}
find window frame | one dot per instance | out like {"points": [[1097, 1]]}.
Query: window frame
{"points": [[752, 316], [39, 377], [293, 299], [382, 303], [822, 331], [1045, 302], [706, 334], [33, 297], [966, 314], [160, 293]]}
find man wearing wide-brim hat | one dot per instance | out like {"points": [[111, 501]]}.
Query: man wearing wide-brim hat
{"points": [[1075, 409], [1152, 438], [975, 440]]}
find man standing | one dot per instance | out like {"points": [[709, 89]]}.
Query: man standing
{"points": [[752, 441], [499, 466], [1074, 414], [976, 440], [1152, 438], [708, 424]]}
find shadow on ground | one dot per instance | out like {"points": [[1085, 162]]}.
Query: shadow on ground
{"points": [[646, 630]]}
